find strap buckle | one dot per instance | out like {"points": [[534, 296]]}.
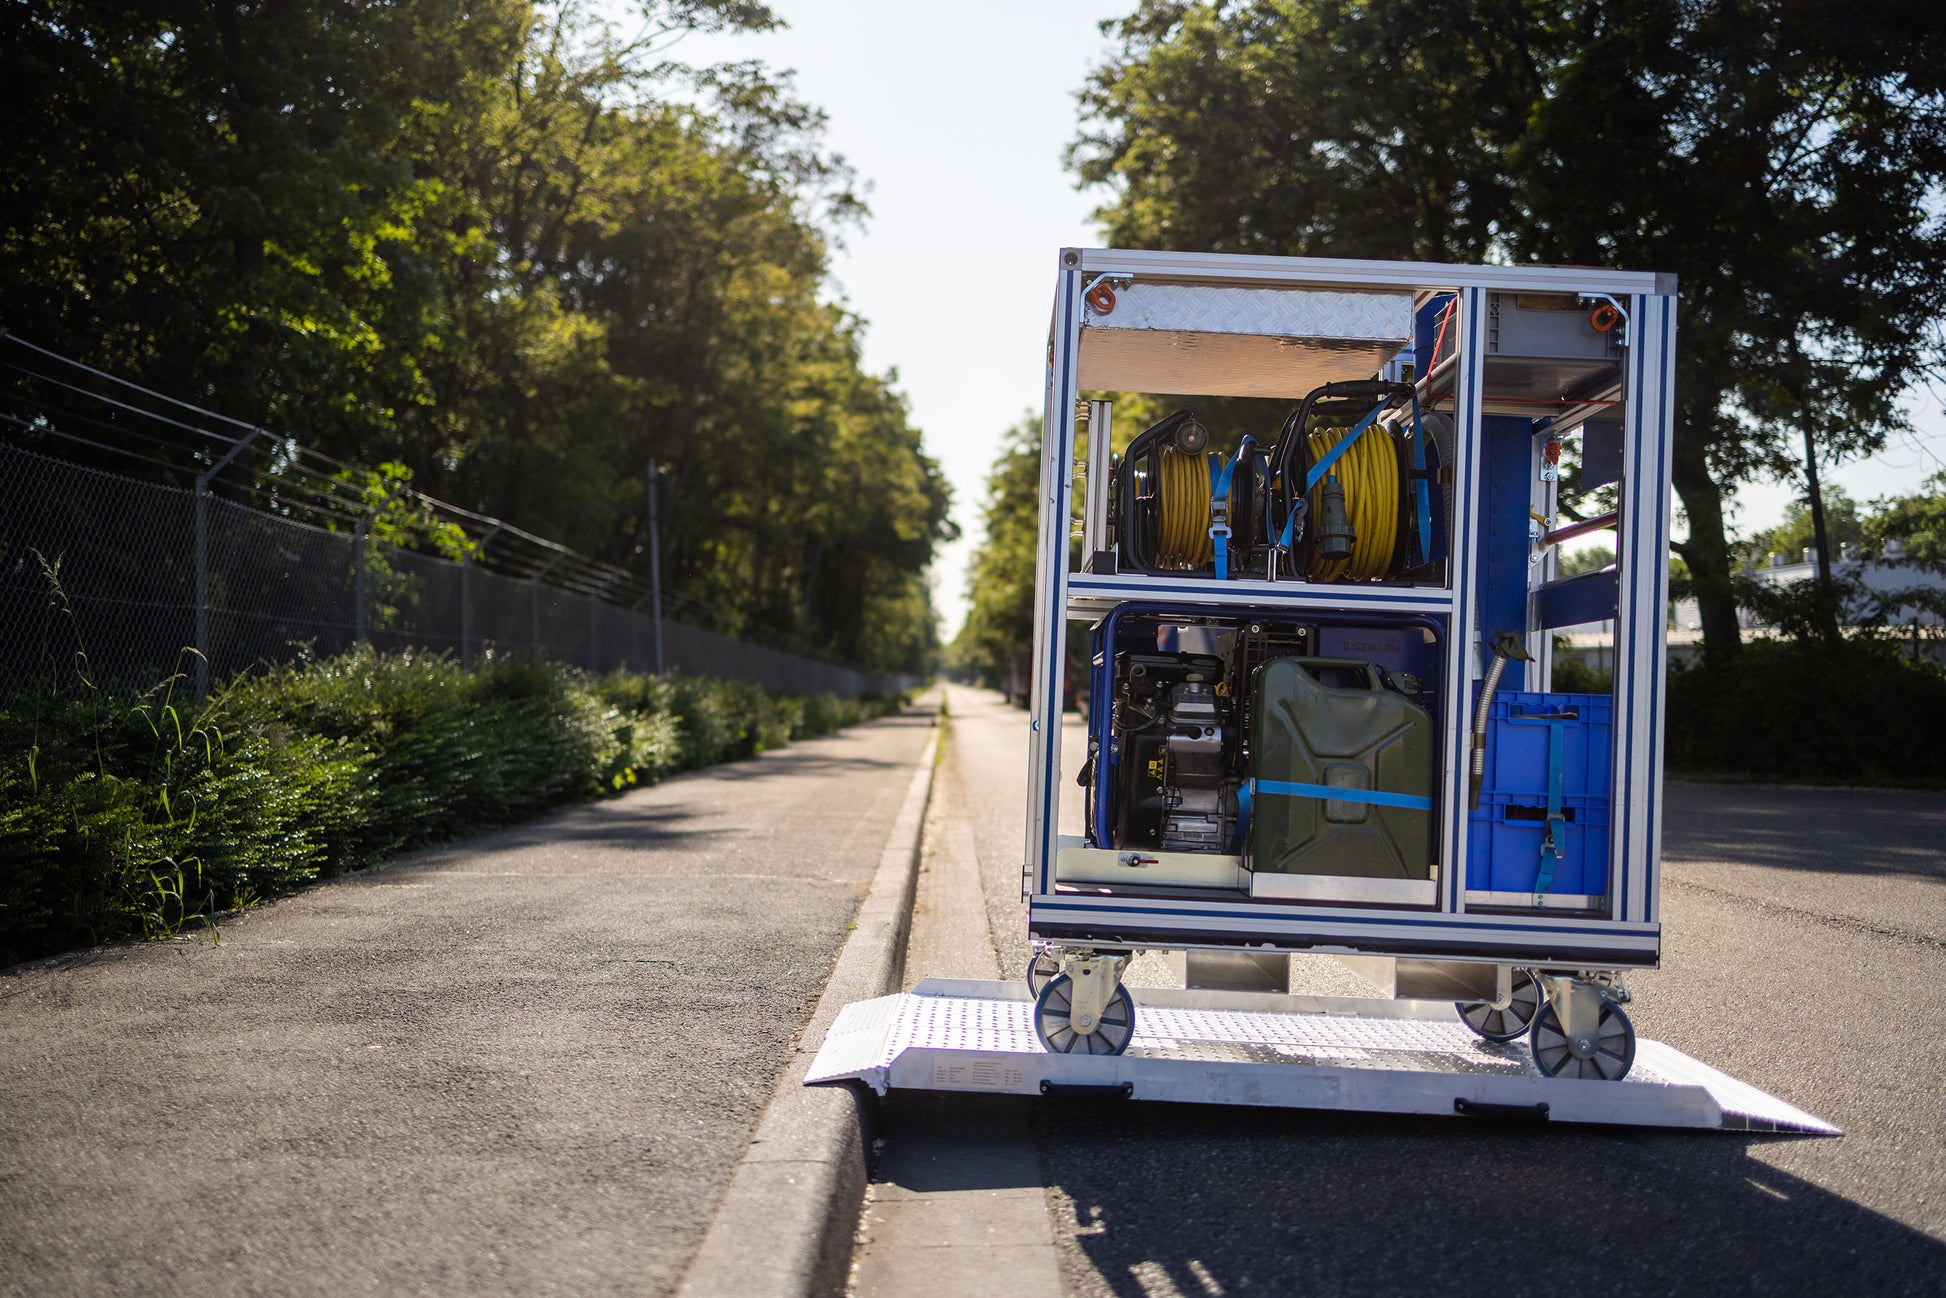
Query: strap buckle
{"points": [[1555, 834]]}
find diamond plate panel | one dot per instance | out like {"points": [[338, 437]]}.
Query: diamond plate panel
{"points": [[870, 1035], [1239, 342], [1295, 313]]}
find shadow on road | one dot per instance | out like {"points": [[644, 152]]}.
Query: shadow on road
{"points": [[621, 824], [790, 761], [939, 1143], [1237, 1201], [1836, 831]]}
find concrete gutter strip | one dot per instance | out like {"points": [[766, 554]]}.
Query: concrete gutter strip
{"points": [[784, 1227]]}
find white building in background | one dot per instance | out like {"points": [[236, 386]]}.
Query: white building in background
{"points": [[1594, 642]]}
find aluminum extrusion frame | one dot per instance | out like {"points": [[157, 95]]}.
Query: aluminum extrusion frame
{"points": [[1622, 934]]}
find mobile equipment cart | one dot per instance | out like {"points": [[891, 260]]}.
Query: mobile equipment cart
{"points": [[1303, 519]]}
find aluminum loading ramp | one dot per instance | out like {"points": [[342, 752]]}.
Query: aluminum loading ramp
{"points": [[1301, 1052]]}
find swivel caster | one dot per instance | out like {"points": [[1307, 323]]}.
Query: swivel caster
{"points": [[1042, 966], [1507, 1022], [1604, 1054], [1095, 1016]]}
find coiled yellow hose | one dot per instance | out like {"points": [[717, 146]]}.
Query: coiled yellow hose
{"points": [[1369, 474], [1183, 539]]}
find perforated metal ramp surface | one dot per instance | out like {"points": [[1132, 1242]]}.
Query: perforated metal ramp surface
{"points": [[1282, 1051]]}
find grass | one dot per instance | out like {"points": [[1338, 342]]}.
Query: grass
{"points": [[133, 815]]}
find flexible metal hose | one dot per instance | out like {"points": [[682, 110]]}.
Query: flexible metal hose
{"points": [[1506, 647]]}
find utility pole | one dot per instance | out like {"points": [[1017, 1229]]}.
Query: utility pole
{"points": [[655, 476]]}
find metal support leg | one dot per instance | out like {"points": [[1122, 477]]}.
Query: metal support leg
{"points": [[1503, 988], [1095, 979], [1578, 1005]]}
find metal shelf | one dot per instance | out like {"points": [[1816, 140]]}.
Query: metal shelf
{"points": [[1091, 595]]}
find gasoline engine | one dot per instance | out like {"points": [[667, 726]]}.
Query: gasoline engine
{"points": [[1178, 734]]}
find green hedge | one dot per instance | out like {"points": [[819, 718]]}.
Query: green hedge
{"points": [[1860, 712], [128, 817]]}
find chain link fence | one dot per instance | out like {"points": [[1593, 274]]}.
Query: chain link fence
{"points": [[139, 579]]}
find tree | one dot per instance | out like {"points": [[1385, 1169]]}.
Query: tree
{"points": [[1311, 128], [1843, 525], [1917, 522], [1592, 559], [502, 244], [1785, 160], [998, 635]]}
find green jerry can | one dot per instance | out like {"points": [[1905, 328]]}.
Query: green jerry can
{"points": [[1343, 774]]}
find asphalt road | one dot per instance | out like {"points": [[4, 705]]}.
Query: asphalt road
{"points": [[1803, 952], [524, 1064]]}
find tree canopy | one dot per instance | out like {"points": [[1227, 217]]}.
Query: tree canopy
{"points": [[519, 252], [1917, 522], [994, 643], [1784, 159]]}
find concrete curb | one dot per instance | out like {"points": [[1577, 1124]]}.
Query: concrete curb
{"points": [[784, 1227]]}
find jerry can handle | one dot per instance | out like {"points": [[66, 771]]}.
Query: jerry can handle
{"points": [[1373, 681]]}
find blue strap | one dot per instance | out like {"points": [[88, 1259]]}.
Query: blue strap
{"points": [[1557, 825], [1243, 818], [1331, 456], [1290, 524], [1219, 530], [1286, 789], [1323, 466], [1424, 491]]}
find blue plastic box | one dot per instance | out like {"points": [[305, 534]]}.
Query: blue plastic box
{"points": [[1503, 846], [1504, 835], [1517, 748]]}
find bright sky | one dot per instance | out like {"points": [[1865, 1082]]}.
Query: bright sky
{"points": [[956, 117]]}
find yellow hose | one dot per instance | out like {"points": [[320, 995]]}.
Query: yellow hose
{"points": [[1369, 474], [1183, 539]]}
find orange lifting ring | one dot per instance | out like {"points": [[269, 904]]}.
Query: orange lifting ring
{"points": [[1604, 318], [1102, 298]]}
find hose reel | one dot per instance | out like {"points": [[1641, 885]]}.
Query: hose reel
{"points": [[1183, 518], [1339, 496], [1357, 508], [1349, 497], [1183, 506]]}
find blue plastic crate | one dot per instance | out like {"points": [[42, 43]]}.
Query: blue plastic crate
{"points": [[1517, 748], [1504, 834], [1503, 846]]}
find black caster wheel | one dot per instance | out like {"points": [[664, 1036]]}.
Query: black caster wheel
{"points": [[1039, 969], [1052, 1021], [1607, 1056], [1511, 1023]]}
